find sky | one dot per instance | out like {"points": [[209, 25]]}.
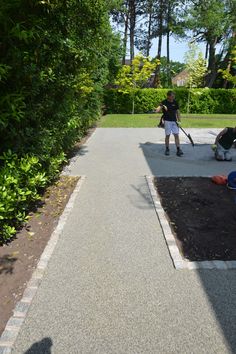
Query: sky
{"points": [[177, 49]]}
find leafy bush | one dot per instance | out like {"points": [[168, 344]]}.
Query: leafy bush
{"points": [[20, 180], [54, 62], [200, 100]]}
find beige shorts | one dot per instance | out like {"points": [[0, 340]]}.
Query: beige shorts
{"points": [[171, 127]]}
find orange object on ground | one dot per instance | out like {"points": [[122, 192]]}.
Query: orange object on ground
{"points": [[221, 179]]}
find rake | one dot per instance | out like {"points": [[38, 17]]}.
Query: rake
{"points": [[188, 135]]}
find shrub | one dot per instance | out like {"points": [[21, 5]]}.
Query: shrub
{"points": [[54, 62], [20, 181], [200, 100]]}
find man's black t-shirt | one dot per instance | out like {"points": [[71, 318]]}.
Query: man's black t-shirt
{"points": [[226, 141], [172, 107]]}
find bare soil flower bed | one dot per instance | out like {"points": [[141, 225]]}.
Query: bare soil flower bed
{"points": [[202, 216]]}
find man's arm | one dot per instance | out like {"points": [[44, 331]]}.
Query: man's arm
{"points": [[160, 108], [220, 135]]}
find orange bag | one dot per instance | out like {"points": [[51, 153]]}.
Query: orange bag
{"points": [[219, 179]]}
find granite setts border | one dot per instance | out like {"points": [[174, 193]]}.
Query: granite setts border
{"points": [[178, 261], [15, 322]]}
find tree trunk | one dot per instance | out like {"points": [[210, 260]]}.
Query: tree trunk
{"points": [[125, 37], [211, 64], [206, 52], [156, 81], [159, 43], [168, 43], [132, 26], [149, 32], [168, 58]]}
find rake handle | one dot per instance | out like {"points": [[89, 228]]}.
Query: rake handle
{"points": [[188, 135]]}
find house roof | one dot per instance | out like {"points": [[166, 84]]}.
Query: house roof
{"points": [[182, 75]]}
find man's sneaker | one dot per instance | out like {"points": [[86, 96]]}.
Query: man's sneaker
{"points": [[167, 152], [179, 152]]}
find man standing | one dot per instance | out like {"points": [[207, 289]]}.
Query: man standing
{"points": [[171, 116], [224, 142]]}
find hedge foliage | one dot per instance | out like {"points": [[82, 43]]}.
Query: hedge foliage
{"points": [[200, 100], [54, 62]]}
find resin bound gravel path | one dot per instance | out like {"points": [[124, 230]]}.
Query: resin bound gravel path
{"points": [[110, 285]]}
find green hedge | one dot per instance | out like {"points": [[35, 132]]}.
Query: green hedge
{"points": [[200, 100], [54, 60]]}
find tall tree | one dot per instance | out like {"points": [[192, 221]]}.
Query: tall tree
{"points": [[132, 20], [172, 27], [144, 31], [136, 11], [209, 23], [167, 21], [229, 60], [168, 31], [120, 16], [126, 16], [160, 18], [158, 32], [150, 4]]}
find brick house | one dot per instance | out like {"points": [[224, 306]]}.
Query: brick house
{"points": [[180, 79]]}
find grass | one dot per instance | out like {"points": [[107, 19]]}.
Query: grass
{"points": [[151, 120]]}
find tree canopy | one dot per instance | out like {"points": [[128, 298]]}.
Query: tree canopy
{"points": [[212, 22]]}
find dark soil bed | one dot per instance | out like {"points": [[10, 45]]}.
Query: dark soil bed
{"points": [[202, 216]]}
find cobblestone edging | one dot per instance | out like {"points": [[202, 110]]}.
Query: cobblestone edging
{"points": [[178, 261], [14, 324]]}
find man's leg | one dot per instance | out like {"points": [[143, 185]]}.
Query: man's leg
{"points": [[167, 143], [167, 137], [175, 130], [177, 143], [228, 156], [219, 153]]}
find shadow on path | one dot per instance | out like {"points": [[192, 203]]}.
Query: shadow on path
{"points": [[219, 285], [7, 264], [142, 198], [41, 347]]}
